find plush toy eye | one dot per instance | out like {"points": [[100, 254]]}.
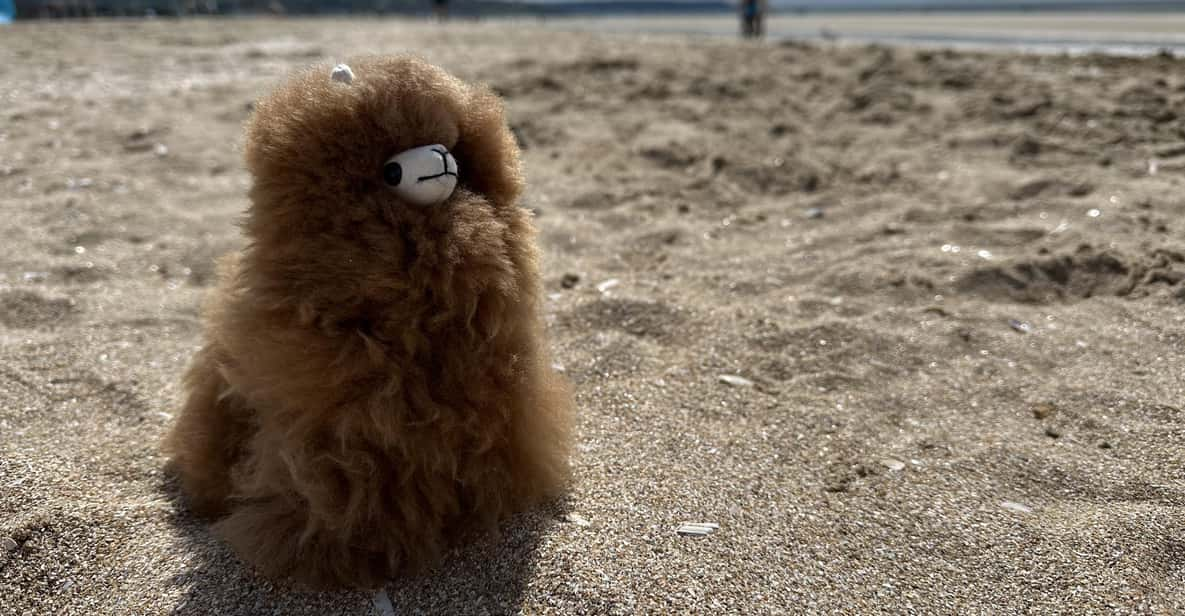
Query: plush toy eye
{"points": [[392, 173], [422, 176]]}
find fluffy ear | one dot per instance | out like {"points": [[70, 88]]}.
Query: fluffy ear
{"points": [[342, 74], [487, 153]]}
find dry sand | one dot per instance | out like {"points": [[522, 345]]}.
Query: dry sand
{"points": [[954, 282]]}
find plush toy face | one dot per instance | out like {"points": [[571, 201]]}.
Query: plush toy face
{"points": [[363, 170], [422, 176]]}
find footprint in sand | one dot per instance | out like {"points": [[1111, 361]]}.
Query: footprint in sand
{"points": [[1071, 277], [20, 309], [639, 318]]}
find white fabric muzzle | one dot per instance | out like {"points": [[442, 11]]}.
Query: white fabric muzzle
{"points": [[422, 176]]}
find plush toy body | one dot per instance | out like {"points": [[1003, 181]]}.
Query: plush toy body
{"points": [[375, 380]]}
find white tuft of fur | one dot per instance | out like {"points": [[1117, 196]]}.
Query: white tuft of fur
{"points": [[342, 73]]}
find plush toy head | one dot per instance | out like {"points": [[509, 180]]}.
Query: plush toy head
{"points": [[369, 169]]}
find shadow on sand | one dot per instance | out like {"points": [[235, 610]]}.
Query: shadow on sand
{"points": [[486, 577]]}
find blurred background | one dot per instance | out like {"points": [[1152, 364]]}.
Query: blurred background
{"points": [[1131, 27]]}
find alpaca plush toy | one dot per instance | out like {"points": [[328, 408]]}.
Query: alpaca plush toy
{"points": [[375, 381]]}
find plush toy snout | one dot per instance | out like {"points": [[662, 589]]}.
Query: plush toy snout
{"points": [[425, 175]]}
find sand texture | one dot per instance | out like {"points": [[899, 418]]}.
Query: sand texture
{"points": [[944, 291]]}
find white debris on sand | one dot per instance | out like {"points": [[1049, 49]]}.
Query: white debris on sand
{"points": [[735, 381], [697, 529], [382, 604], [1015, 506]]}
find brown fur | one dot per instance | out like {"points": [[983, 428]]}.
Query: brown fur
{"points": [[375, 380]]}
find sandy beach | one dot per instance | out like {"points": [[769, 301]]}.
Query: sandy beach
{"points": [[906, 324]]}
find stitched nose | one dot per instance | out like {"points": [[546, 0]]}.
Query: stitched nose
{"points": [[448, 165]]}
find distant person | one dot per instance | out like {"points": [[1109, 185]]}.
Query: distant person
{"points": [[752, 18], [440, 9]]}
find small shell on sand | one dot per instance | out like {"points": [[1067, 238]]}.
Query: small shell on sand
{"points": [[577, 519], [1015, 506], [697, 529], [608, 284], [735, 381], [1020, 326]]}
